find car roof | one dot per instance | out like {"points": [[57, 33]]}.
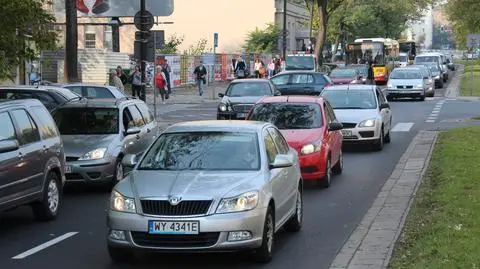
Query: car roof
{"points": [[407, 68], [254, 80], [299, 72], [291, 99], [33, 88], [100, 103], [217, 126], [116, 92], [429, 54], [352, 87], [403, 54], [5, 103]]}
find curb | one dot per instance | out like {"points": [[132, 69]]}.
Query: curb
{"points": [[372, 243]]}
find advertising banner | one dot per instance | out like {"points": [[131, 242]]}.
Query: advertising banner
{"points": [[174, 61], [218, 67], [113, 8], [190, 68]]}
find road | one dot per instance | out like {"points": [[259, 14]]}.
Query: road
{"points": [[330, 214]]}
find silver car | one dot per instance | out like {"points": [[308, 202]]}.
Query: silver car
{"points": [[207, 186], [95, 91], [407, 82]]}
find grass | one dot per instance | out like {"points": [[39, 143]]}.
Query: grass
{"points": [[476, 117], [442, 229], [470, 80]]}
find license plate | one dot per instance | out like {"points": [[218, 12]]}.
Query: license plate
{"points": [[173, 227], [241, 115], [68, 169], [347, 133]]}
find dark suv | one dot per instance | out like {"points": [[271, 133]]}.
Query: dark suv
{"points": [[32, 160], [50, 96]]}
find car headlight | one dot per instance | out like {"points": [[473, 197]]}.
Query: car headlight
{"points": [[222, 107], [437, 77], [243, 202], [311, 148], [420, 86], [94, 154], [367, 123], [390, 86], [121, 203]]}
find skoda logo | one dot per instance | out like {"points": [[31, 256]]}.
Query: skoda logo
{"points": [[174, 200]]}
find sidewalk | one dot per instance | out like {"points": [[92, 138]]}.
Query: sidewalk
{"points": [[189, 94]]}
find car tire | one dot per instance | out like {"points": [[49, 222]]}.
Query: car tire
{"points": [[294, 224], [422, 98], [338, 168], [264, 253], [387, 138], [120, 254], [47, 209], [327, 179], [379, 143], [118, 173]]}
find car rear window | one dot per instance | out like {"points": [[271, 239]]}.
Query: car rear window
{"points": [[86, 120], [289, 115]]}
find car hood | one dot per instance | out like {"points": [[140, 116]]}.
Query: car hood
{"points": [[191, 184], [342, 80], [299, 138], [78, 145], [241, 99], [355, 115], [405, 82]]}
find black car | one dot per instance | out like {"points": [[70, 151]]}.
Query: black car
{"points": [[241, 95], [50, 96], [301, 82]]}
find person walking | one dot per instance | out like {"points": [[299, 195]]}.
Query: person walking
{"points": [[161, 84], [122, 75], [371, 75], [200, 73], [271, 68], [136, 78], [116, 81], [257, 67], [167, 71], [240, 68]]}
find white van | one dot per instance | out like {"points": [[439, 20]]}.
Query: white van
{"points": [[434, 57], [403, 59]]}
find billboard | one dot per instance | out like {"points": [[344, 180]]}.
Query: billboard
{"points": [[114, 8]]}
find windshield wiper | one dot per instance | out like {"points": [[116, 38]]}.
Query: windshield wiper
{"points": [[350, 107]]}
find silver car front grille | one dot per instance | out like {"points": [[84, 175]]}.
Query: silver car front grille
{"points": [[184, 208]]}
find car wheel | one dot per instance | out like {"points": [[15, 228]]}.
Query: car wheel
{"points": [[264, 253], [327, 179], [120, 254], [47, 208], [379, 144], [422, 98], [296, 221], [387, 138], [118, 173], [338, 168]]}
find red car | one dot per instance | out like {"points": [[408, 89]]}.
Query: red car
{"points": [[310, 127]]}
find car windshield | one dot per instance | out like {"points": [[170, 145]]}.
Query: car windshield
{"points": [[426, 59], [203, 151], [406, 74], [343, 73], [403, 58], [351, 99], [67, 94], [86, 121], [299, 63], [434, 68], [289, 115], [248, 89]]}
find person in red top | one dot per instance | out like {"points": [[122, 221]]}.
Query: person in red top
{"points": [[161, 83]]}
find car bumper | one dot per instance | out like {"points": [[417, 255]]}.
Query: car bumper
{"points": [[213, 233], [360, 135], [95, 171], [312, 166], [406, 93], [231, 115]]}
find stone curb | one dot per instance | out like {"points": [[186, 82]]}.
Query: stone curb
{"points": [[371, 244]]}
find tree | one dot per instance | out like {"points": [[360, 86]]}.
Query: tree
{"points": [[171, 46], [464, 15], [198, 48], [262, 41], [25, 30]]}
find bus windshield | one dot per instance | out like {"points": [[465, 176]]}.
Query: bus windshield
{"points": [[295, 62], [362, 53]]}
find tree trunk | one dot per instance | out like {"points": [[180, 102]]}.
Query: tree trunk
{"points": [[322, 30]]}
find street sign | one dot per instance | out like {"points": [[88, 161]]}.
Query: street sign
{"points": [[144, 21], [215, 40]]}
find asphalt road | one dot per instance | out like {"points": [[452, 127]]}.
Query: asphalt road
{"points": [[330, 214]]}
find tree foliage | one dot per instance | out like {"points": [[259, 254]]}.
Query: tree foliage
{"points": [[198, 48], [465, 18], [262, 40], [171, 46], [26, 29]]}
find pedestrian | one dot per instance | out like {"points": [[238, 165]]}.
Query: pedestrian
{"points": [[161, 84], [304, 48], [271, 68], [116, 81], [257, 67], [240, 68], [200, 73], [371, 75], [277, 65], [136, 80], [167, 70], [122, 75]]}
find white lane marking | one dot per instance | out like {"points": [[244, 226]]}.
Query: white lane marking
{"points": [[44, 246], [430, 121], [435, 114], [402, 127]]}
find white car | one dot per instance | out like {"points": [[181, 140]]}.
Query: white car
{"points": [[364, 112]]}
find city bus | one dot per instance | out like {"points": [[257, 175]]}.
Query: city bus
{"points": [[409, 47], [381, 52], [301, 61]]}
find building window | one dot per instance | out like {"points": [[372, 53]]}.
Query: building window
{"points": [[107, 38], [90, 37]]}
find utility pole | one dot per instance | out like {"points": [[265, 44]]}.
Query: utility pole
{"points": [[115, 23], [311, 24], [284, 28], [71, 42]]}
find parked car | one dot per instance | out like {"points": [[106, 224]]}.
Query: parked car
{"points": [[32, 160], [310, 127], [207, 186], [97, 133], [301, 82], [364, 113], [407, 82], [50, 96], [95, 91], [344, 75], [241, 95], [428, 75]]}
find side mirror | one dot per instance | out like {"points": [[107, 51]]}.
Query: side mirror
{"points": [[132, 131], [8, 145], [281, 161], [221, 95], [360, 77], [130, 160], [425, 77], [335, 126], [384, 105], [444, 62], [277, 93]]}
